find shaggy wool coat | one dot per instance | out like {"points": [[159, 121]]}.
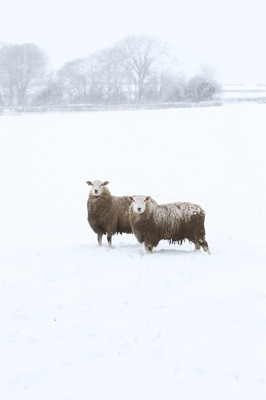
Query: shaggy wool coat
{"points": [[109, 214], [174, 222]]}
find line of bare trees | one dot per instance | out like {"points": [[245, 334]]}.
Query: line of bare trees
{"points": [[138, 69]]}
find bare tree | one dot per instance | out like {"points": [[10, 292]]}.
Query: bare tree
{"points": [[204, 85], [200, 88], [141, 55], [138, 68], [72, 77], [50, 94], [112, 77], [82, 80], [171, 80], [21, 68]]}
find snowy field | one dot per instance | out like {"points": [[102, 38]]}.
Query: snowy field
{"points": [[81, 322]]}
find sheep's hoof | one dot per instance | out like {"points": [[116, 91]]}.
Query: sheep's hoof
{"points": [[148, 247]]}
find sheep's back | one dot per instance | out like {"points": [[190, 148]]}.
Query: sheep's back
{"points": [[167, 220], [179, 221]]}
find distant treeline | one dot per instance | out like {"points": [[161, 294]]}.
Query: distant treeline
{"points": [[136, 70]]}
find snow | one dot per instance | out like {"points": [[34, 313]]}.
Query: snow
{"points": [[80, 321], [241, 92]]}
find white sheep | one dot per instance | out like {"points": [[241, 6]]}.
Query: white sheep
{"points": [[175, 222]]}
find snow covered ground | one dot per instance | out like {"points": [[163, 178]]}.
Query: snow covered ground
{"points": [[80, 322]]}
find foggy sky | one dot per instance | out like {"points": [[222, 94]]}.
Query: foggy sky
{"points": [[228, 34]]}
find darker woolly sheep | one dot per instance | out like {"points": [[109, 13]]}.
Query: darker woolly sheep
{"points": [[174, 222], [107, 214]]}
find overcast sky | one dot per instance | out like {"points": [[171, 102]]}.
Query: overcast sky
{"points": [[229, 34]]}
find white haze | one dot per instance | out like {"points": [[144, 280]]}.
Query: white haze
{"points": [[229, 34]]}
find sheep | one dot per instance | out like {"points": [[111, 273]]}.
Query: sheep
{"points": [[107, 214], [173, 221]]}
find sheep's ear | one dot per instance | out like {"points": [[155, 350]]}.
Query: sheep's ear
{"points": [[131, 198], [148, 198], [89, 183], [105, 183]]}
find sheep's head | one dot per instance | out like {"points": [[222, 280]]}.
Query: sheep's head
{"points": [[139, 203], [97, 187]]}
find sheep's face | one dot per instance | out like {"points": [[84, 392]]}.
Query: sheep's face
{"points": [[139, 204], [97, 187]]}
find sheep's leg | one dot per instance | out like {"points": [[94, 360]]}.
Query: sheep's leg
{"points": [[100, 239], [109, 239], [205, 246], [197, 245]]}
